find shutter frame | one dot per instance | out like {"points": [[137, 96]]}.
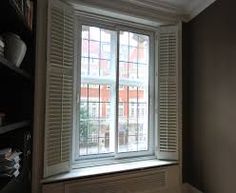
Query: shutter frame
{"points": [[59, 89], [168, 93]]}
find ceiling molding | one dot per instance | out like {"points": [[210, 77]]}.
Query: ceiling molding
{"points": [[154, 10], [186, 10], [132, 8], [198, 7]]}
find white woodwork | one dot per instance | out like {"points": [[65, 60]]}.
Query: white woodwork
{"points": [[155, 180]]}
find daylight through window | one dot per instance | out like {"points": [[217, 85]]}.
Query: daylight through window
{"points": [[114, 91]]}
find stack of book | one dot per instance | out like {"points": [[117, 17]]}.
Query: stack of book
{"points": [[9, 162]]}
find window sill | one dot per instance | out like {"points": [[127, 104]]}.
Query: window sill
{"points": [[108, 169]]}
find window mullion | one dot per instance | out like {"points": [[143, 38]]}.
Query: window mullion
{"points": [[117, 92]]}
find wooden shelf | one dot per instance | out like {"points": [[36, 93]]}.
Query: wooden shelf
{"points": [[14, 126], [11, 67]]}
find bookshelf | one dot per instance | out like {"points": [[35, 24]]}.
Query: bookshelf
{"points": [[17, 91]]}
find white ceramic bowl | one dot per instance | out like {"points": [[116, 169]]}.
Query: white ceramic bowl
{"points": [[15, 48]]}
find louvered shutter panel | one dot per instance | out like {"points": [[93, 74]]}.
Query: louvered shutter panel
{"points": [[59, 94], [168, 96]]}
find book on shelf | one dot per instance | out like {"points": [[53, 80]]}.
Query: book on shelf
{"points": [[20, 5], [9, 162], [3, 168], [29, 7], [10, 173], [5, 153], [26, 8]]}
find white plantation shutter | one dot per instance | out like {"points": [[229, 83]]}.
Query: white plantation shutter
{"points": [[59, 99], [168, 96]]}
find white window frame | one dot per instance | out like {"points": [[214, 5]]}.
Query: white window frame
{"points": [[125, 156]]}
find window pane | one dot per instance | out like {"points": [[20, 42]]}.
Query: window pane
{"points": [[99, 46], [123, 70], [98, 62], [85, 32], [98, 107], [105, 35], [84, 66], [124, 53], [94, 50], [123, 135], [124, 38], [96, 124], [133, 54], [133, 71], [133, 93], [93, 67], [105, 68], [123, 94], [85, 48], [105, 50], [94, 33]]}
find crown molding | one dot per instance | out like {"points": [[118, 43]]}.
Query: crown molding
{"points": [[155, 10], [187, 11], [197, 8]]}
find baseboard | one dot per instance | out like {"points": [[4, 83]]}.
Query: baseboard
{"points": [[187, 188]]}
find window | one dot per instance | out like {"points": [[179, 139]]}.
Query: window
{"points": [[124, 101], [118, 83]]}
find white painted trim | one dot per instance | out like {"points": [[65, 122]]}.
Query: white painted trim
{"points": [[110, 169], [155, 10], [187, 188], [141, 12], [157, 5]]}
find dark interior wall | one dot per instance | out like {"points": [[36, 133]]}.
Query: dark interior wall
{"points": [[209, 76]]}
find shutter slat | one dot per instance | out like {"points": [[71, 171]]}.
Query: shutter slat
{"points": [[168, 94], [59, 106]]}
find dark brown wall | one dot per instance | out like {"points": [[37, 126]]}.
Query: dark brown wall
{"points": [[209, 75]]}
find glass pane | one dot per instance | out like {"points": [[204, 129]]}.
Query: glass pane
{"points": [[85, 32], [124, 53], [105, 68], [105, 51], [133, 92], [94, 49], [124, 38], [84, 66], [132, 143], [94, 33], [100, 51], [123, 70], [98, 62], [93, 110], [133, 112], [133, 39], [93, 92], [133, 54], [123, 135], [93, 67], [123, 94], [105, 93], [133, 71], [143, 49], [85, 48], [84, 92], [143, 72], [105, 35], [95, 120]]}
